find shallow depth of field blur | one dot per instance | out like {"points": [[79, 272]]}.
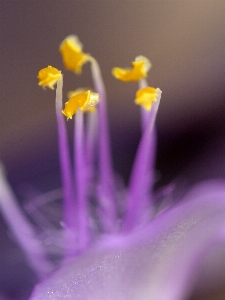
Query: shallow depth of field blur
{"points": [[185, 42]]}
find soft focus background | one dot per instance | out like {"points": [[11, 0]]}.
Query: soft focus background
{"points": [[185, 41]]}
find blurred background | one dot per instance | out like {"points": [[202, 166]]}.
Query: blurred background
{"points": [[185, 41]]}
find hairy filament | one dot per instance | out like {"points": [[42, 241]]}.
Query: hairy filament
{"points": [[24, 233], [106, 190], [91, 143], [69, 210], [81, 181], [144, 113], [141, 176]]}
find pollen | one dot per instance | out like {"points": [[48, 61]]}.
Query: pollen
{"points": [[85, 101], [140, 67], [146, 96], [72, 55], [48, 77]]}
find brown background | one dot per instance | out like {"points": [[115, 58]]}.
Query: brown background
{"points": [[183, 39]]}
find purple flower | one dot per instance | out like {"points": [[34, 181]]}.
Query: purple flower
{"points": [[116, 242]]}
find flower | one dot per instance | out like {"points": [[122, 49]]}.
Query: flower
{"points": [[139, 249], [140, 67], [48, 77]]}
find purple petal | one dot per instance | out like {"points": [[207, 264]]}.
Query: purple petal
{"points": [[160, 261]]}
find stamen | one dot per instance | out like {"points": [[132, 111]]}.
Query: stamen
{"points": [[85, 101], [141, 179], [70, 94], [90, 143], [48, 77], [79, 103], [69, 207], [73, 56], [144, 114], [24, 233], [106, 189], [145, 97], [140, 68], [147, 65], [81, 184]]}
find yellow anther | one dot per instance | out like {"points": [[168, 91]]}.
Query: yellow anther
{"points": [[72, 54], [91, 101], [70, 94], [140, 68], [85, 101], [146, 96], [48, 77]]}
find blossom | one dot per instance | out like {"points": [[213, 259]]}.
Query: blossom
{"points": [[139, 249]]}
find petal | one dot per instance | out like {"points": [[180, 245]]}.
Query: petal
{"points": [[157, 262]]}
